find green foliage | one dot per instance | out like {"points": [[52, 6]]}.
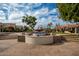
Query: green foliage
{"points": [[17, 29], [69, 11], [29, 20], [27, 29], [6, 29]]}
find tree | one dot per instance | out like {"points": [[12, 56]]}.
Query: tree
{"points": [[69, 11], [29, 20]]}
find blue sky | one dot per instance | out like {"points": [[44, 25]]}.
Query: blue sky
{"points": [[44, 12]]}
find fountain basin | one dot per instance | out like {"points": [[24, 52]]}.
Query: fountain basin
{"points": [[39, 39]]}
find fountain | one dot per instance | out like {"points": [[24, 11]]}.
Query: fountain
{"points": [[38, 37]]}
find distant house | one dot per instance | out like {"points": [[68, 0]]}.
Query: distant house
{"points": [[8, 26], [73, 28]]}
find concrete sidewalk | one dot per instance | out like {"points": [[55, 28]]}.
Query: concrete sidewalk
{"points": [[14, 48]]}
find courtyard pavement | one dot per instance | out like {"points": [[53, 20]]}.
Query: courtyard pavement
{"points": [[14, 48], [11, 47]]}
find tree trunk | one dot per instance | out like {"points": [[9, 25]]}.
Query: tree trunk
{"points": [[75, 30]]}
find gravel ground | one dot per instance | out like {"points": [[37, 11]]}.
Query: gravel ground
{"points": [[14, 48]]}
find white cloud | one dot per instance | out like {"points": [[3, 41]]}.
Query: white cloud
{"points": [[37, 4], [21, 23], [54, 11], [16, 17], [34, 4], [29, 12], [4, 4], [5, 8], [38, 13], [15, 14], [2, 15], [41, 12], [42, 22], [13, 4], [45, 21]]}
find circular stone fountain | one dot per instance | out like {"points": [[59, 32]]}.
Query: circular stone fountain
{"points": [[39, 39]]}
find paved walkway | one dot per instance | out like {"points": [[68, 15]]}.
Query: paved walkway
{"points": [[14, 48]]}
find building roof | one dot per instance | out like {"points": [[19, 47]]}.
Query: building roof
{"points": [[67, 26]]}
